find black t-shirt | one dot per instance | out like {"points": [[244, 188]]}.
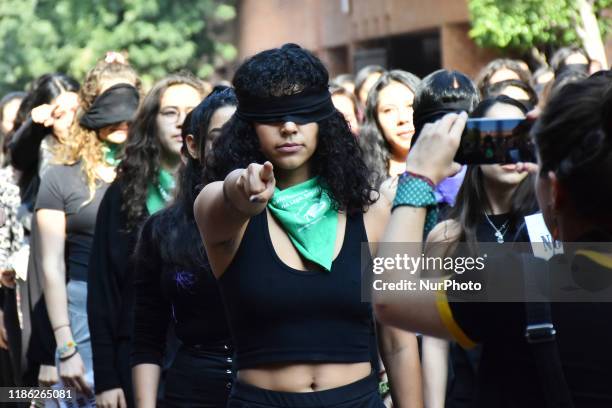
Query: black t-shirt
{"points": [[507, 374], [166, 292], [64, 188]]}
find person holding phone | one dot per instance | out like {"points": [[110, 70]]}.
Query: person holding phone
{"points": [[490, 207], [574, 143]]}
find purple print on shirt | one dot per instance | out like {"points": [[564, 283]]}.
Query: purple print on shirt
{"points": [[184, 280]]}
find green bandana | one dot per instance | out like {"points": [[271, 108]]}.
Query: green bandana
{"points": [[159, 195], [306, 214], [110, 153]]}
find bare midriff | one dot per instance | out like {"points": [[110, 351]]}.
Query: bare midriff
{"points": [[304, 377]]}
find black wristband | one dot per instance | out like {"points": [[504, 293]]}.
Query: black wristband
{"points": [[68, 357]]}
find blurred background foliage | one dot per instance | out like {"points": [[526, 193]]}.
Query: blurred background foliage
{"points": [[159, 36], [527, 25]]}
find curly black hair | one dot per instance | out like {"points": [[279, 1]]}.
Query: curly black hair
{"points": [[337, 160], [140, 165]]}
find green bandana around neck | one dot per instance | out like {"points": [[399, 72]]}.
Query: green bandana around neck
{"points": [[110, 151], [160, 194], [306, 213]]}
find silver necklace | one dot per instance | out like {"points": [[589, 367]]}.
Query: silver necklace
{"points": [[499, 232]]}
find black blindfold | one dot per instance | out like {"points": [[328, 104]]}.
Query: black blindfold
{"points": [[311, 105], [117, 104]]}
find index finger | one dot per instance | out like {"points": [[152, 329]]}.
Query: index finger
{"points": [[267, 172], [458, 125]]}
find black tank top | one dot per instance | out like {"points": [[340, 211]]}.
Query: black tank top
{"points": [[278, 314]]}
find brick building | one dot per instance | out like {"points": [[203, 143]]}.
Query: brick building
{"points": [[415, 35]]}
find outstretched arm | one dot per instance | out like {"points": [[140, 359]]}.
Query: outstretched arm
{"points": [[223, 208]]}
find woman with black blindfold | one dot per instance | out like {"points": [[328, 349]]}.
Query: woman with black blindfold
{"points": [[66, 208], [144, 185], [282, 225]]}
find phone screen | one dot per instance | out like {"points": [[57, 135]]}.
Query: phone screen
{"points": [[491, 141]]}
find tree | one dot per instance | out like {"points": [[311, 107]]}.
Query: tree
{"points": [[535, 26], [160, 36]]}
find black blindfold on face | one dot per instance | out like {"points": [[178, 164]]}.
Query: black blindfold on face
{"points": [[311, 105], [115, 105]]}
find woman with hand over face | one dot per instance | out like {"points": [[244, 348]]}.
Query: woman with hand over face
{"points": [[66, 208]]}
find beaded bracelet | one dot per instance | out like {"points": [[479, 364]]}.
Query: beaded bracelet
{"points": [[61, 351], [414, 190]]}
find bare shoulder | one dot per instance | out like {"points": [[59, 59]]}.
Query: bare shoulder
{"points": [[377, 216], [200, 205]]}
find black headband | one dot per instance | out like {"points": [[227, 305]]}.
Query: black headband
{"points": [[311, 105], [117, 104]]}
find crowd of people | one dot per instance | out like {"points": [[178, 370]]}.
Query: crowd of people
{"points": [[199, 246]]}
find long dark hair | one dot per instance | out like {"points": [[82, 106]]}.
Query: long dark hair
{"points": [[472, 201], [175, 226], [190, 177], [337, 160], [574, 139], [140, 165], [484, 76], [43, 90], [376, 148], [6, 99]]}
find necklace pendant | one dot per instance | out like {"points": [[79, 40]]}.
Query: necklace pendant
{"points": [[500, 237]]}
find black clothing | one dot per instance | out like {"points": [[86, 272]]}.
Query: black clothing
{"points": [[37, 340], [360, 394], [463, 364], [507, 375], [25, 154], [199, 377], [279, 314], [9, 359], [111, 295], [165, 293], [64, 188]]}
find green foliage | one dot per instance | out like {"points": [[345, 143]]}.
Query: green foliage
{"points": [[160, 36], [524, 24]]}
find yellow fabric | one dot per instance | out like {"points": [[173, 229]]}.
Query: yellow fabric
{"points": [[597, 257], [451, 325]]}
